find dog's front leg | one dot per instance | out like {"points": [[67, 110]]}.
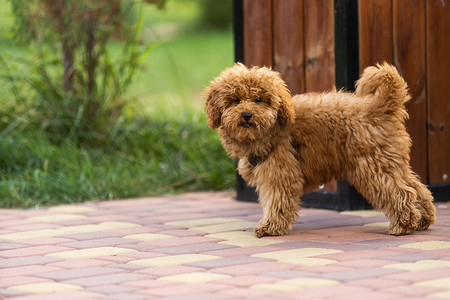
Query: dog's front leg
{"points": [[279, 184]]}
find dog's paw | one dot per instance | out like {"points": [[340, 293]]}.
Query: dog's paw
{"points": [[398, 229], [271, 229]]}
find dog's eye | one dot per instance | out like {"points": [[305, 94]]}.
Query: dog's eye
{"points": [[237, 100], [258, 100]]}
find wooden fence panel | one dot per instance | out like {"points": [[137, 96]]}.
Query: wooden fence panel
{"points": [[410, 58], [288, 41], [319, 45], [258, 32], [375, 32], [438, 63]]}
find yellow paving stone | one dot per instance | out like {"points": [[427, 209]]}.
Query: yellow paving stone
{"points": [[56, 218], [66, 230], [25, 235], [45, 287], [118, 225], [441, 283], [420, 265], [149, 237], [250, 242], [275, 287], [232, 235], [363, 213], [428, 245], [440, 295], [71, 209], [194, 277], [231, 226], [306, 282], [378, 224], [173, 260], [90, 253], [202, 222]]}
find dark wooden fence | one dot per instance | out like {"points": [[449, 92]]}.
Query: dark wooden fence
{"points": [[313, 43]]}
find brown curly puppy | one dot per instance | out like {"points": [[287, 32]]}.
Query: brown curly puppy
{"points": [[288, 146]]}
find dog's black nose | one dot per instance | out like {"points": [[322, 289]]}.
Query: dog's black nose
{"points": [[247, 116]]}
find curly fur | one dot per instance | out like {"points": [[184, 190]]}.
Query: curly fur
{"points": [[291, 145]]}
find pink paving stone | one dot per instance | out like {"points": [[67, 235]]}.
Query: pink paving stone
{"points": [[409, 291], [91, 236], [193, 248], [46, 241], [27, 260], [169, 270], [186, 289], [227, 261], [399, 250], [36, 250], [322, 269], [26, 270], [106, 242], [408, 257], [80, 263], [416, 276], [294, 237], [112, 289], [360, 273], [7, 246], [139, 255], [119, 259], [108, 218], [108, 279], [127, 296], [127, 267], [247, 281], [325, 292], [19, 280], [68, 295], [238, 251], [181, 241], [12, 223], [78, 273], [377, 283], [135, 230], [253, 268], [149, 284], [369, 295], [357, 254], [243, 293], [7, 294]]}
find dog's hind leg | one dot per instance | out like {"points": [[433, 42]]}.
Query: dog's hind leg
{"points": [[424, 202], [389, 190]]}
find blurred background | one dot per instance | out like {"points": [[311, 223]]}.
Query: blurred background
{"points": [[102, 99]]}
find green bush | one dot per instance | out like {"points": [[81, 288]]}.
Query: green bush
{"points": [[76, 84], [216, 14]]}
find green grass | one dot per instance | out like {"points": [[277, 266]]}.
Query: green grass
{"points": [[165, 148]]}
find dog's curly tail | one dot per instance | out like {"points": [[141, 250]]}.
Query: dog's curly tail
{"points": [[388, 87]]}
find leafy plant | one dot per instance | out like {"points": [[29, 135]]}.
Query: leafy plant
{"points": [[77, 83]]}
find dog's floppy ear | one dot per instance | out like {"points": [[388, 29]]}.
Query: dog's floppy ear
{"points": [[286, 113], [212, 108]]}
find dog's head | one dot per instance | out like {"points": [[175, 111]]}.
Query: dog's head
{"points": [[248, 102]]}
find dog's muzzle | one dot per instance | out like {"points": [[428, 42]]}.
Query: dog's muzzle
{"points": [[246, 116]]}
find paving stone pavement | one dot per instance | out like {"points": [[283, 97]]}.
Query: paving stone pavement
{"points": [[201, 246]]}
